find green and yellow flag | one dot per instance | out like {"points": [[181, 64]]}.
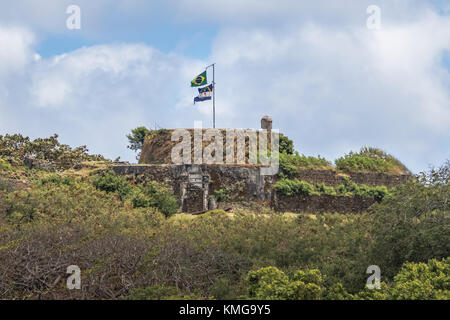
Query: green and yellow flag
{"points": [[199, 80]]}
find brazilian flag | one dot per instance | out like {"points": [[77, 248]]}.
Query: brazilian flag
{"points": [[199, 80]]}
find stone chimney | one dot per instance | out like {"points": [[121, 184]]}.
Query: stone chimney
{"points": [[266, 123]]}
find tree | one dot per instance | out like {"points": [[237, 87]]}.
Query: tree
{"points": [[286, 145], [416, 218], [137, 137]]}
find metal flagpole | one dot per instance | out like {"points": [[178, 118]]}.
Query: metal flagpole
{"points": [[214, 94]]}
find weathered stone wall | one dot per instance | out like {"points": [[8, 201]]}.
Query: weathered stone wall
{"points": [[371, 179], [194, 184], [321, 204]]}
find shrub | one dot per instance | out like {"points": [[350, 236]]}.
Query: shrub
{"points": [[378, 192], [372, 160], [112, 183], [56, 179], [272, 284], [161, 198], [323, 189], [293, 187], [291, 164], [222, 289], [152, 195], [229, 193]]}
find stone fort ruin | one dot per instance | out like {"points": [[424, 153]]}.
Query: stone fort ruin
{"points": [[196, 181]]}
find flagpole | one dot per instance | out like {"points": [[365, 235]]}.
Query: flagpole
{"points": [[214, 94]]}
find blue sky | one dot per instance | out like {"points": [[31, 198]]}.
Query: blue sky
{"points": [[330, 83]]}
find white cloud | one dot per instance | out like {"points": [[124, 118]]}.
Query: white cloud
{"points": [[331, 89], [93, 95], [15, 53]]}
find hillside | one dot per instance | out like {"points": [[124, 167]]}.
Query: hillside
{"points": [[64, 207]]}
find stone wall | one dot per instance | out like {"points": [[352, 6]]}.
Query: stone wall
{"points": [[371, 179], [321, 204], [194, 184]]}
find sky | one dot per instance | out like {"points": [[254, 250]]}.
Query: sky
{"points": [[329, 82]]}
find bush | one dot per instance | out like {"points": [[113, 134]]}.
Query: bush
{"points": [[371, 160], [153, 195], [293, 187], [291, 164], [229, 193], [58, 180], [272, 284], [161, 198], [323, 189], [111, 183], [378, 192]]}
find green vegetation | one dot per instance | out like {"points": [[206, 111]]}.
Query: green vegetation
{"points": [[130, 252], [415, 281], [4, 165], [372, 160], [129, 243], [150, 195], [291, 187], [291, 164], [416, 218], [229, 193], [18, 147], [137, 137], [368, 159], [286, 145], [272, 284]]}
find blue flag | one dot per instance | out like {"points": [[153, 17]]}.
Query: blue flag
{"points": [[204, 93]]}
